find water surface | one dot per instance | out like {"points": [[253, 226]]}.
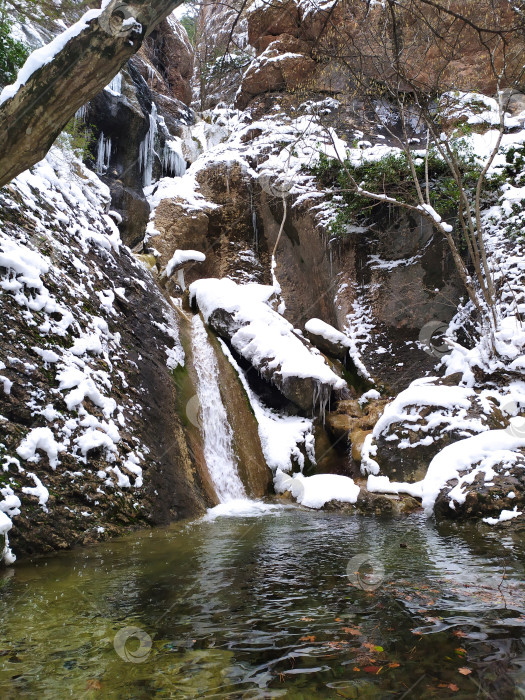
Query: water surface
{"points": [[269, 607]]}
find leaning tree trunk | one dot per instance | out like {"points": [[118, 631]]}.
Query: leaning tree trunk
{"points": [[81, 62]]}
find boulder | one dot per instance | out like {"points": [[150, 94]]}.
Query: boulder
{"points": [[503, 491], [242, 315], [327, 338], [277, 68], [272, 20], [418, 424]]}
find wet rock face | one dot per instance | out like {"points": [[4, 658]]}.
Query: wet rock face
{"points": [[169, 60], [128, 374]]}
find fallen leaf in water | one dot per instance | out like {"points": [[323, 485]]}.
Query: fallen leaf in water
{"points": [[307, 638], [460, 651], [464, 671], [356, 669], [93, 684], [419, 632], [453, 686], [307, 619], [351, 630], [394, 664], [337, 619], [372, 669], [459, 633]]}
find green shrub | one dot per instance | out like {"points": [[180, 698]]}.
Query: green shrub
{"points": [[13, 53], [79, 136], [391, 175]]}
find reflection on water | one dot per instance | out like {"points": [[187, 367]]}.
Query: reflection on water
{"points": [[270, 607]]}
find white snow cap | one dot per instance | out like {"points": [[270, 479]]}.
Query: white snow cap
{"points": [[183, 257], [325, 330]]}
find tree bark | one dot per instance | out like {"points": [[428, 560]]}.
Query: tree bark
{"points": [[33, 117]]}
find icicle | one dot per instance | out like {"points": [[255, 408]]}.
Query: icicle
{"points": [[173, 162], [147, 149], [321, 398], [254, 222], [115, 86], [103, 154], [151, 74], [216, 431], [81, 113]]}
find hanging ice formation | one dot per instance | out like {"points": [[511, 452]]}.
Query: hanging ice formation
{"points": [[115, 86], [103, 154], [147, 149], [173, 162]]}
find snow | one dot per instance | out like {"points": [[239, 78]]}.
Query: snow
{"points": [[39, 490], [183, 257], [241, 508], [315, 491], [382, 484], [318, 327], [503, 516], [264, 337], [479, 453], [40, 439], [422, 393], [371, 395]]}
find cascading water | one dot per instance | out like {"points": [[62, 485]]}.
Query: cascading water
{"points": [[217, 434], [103, 154], [147, 148]]}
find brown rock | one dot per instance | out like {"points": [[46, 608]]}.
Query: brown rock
{"points": [[357, 438], [273, 20], [340, 424], [169, 58], [277, 68]]}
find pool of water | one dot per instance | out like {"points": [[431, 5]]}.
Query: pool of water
{"points": [[289, 604]]}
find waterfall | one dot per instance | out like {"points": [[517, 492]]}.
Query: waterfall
{"points": [[147, 148], [216, 431], [103, 154]]}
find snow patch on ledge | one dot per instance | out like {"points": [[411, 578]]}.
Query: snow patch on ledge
{"points": [[314, 491]]}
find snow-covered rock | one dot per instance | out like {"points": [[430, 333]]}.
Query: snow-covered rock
{"points": [[242, 316]]}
